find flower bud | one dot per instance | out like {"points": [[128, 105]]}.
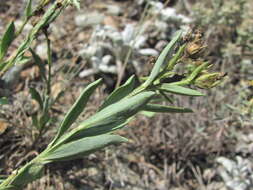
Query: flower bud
{"points": [[209, 80]]}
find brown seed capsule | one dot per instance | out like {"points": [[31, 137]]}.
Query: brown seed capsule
{"points": [[193, 48]]}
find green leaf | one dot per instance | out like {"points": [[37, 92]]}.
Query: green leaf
{"points": [[82, 147], [175, 89], [8, 37], [36, 96], [162, 59], [28, 9], [35, 121], [44, 120], [27, 174], [39, 63], [120, 92], [148, 113], [23, 60], [165, 109], [77, 108], [3, 64], [3, 101], [110, 118]]}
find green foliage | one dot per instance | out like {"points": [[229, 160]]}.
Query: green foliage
{"points": [[118, 109], [82, 147], [163, 58], [7, 38], [120, 92], [179, 90], [165, 109], [77, 108], [28, 9]]}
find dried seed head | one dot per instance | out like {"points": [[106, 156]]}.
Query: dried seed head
{"points": [[193, 48], [195, 44], [209, 80]]}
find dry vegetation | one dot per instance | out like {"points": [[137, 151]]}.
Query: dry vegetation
{"points": [[166, 151]]}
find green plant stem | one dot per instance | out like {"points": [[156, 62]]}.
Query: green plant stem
{"points": [[192, 76], [20, 30], [49, 55], [47, 18], [21, 177], [121, 72]]}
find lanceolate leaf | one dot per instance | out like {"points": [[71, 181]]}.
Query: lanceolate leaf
{"points": [[39, 63], [165, 109], [28, 9], [179, 90], [36, 96], [82, 147], [120, 92], [163, 57], [8, 37], [77, 108], [26, 174], [111, 118]]}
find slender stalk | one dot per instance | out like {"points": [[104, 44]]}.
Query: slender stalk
{"points": [[129, 53], [50, 15], [49, 62]]}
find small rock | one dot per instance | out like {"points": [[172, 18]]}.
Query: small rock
{"points": [[161, 26], [168, 13], [59, 32], [41, 50], [89, 19], [114, 10], [107, 59], [156, 7], [160, 45], [128, 33], [87, 72], [108, 69], [140, 42], [92, 171], [148, 52], [110, 21], [27, 27]]}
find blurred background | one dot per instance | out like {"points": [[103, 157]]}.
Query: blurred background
{"points": [[209, 149]]}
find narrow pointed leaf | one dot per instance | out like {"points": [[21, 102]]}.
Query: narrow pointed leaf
{"points": [[163, 58], [109, 119], [100, 129], [30, 172], [120, 92], [35, 121], [179, 90], [28, 9], [36, 96], [165, 109], [38, 61], [77, 108], [82, 147], [148, 113], [8, 37]]}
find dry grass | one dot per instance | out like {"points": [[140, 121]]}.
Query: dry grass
{"points": [[165, 151]]}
